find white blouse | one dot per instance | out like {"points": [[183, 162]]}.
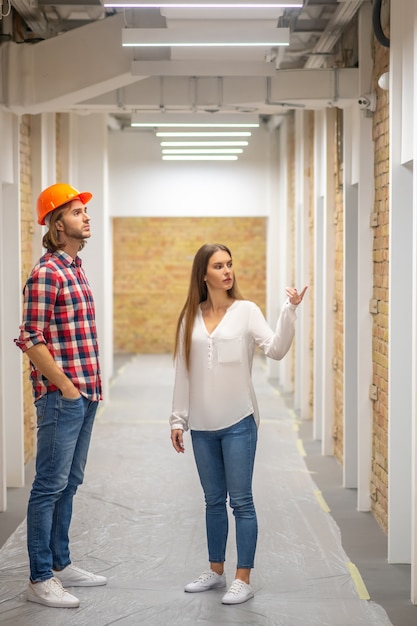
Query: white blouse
{"points": [[218, 391]]}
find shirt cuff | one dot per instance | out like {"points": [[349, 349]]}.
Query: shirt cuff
{"points": [[291, 306], [26, 340]]}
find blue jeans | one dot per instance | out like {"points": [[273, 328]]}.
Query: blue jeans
{"points": [[64, 432], [225, 460]]}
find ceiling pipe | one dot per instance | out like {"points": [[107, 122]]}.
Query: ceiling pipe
{"points": [[332, 33], [377, 26], [34, 18]]}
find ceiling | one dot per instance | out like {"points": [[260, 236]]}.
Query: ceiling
{"points": [[317, 69]]}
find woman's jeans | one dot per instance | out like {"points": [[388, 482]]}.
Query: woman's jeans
{"points": [[64, 432], [225, 460]]}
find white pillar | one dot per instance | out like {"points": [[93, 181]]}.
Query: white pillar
{"points": [[43, 142], [363, 174], [319, 261], [11, 403], [327, 417], [302, 262], [88, 169], [275, 291], [284, 367], [350, 299], [414, 335], [400, 301]]}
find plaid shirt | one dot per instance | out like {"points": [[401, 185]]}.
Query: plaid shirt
{"points": [[59, 312]]}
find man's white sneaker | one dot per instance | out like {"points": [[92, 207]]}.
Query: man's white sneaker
{"points": [[51, 593], [73, 576], [207, 580], [239, 592]]}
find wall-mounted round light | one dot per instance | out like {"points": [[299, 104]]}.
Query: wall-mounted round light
{"points": [[383, 81]]}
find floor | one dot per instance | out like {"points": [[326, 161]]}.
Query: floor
{"points": [[139, 520]]}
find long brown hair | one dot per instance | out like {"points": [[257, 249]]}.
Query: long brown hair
{"points": [[197, 293], [50, 240]]}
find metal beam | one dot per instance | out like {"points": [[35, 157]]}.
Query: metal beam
{"points": [[202, 68]]}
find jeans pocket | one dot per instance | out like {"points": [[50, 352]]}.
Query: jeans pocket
{"points": [[71, 408], [40, 405], [70, 400]]}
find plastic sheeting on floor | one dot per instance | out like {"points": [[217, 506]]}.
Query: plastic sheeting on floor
{"points": [[139, 520]]}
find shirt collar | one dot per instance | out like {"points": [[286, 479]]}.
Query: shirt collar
{"points": [[67, 258]]}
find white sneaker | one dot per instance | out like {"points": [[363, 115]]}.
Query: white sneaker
{"points": [[51, 593], [73, 576], [207, 580], [239, 592]]}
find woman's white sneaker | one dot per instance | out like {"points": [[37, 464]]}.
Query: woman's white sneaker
{"points": [[207, 580], [239, 592], [51, 593]]}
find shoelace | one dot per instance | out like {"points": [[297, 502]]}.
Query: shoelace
{"points": [[55, 586], [205, 576], [236, 587]]}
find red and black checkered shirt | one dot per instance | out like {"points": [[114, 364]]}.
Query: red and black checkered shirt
{"points": [[59, 311]]}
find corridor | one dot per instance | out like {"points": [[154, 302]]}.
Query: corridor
{"points": [[139, 520]]}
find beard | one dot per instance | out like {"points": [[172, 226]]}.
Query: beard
{"points": [[74, 232]]}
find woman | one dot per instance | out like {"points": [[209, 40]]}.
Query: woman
{"points": [[213, 396]]}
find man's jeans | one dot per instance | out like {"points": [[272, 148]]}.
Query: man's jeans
{"points": [[225, 460], [64, 432]]}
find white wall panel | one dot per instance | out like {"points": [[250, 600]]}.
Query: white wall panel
{"points": [[143, 185]]}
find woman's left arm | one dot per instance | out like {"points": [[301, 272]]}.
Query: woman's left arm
{"points": [[275, 345]]}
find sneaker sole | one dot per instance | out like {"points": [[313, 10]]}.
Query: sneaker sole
{"points": [[55, 605], [235, 601], [69, 583], [206, 589]]}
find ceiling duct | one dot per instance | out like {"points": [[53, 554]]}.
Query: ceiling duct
{"points": [[332, 33]]}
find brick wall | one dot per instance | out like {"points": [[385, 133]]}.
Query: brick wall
{"points": [[27, 230], [338, 354], [152, 264], [379, 473]]}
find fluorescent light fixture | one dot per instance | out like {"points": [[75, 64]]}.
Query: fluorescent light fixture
{"points": [[244, 36], [202, 151], [207, 144], [194, 120], [205, 4], [198, 157], [189, 125], [242, 133]]}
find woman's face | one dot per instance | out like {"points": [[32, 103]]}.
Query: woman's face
{"points": [[219, 274]]}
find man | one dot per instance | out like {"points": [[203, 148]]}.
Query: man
{"points": [[58, 334]]}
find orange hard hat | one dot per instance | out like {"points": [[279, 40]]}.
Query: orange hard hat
{"points": [[55, 196]]}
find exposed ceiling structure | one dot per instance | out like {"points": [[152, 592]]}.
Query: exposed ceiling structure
{"points": [[46, 40]]}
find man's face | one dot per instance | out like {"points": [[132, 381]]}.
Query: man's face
{"points": [[75, 222]]}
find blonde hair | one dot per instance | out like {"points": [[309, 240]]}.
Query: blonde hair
{"points": [[50, 240], [197, 293]]}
